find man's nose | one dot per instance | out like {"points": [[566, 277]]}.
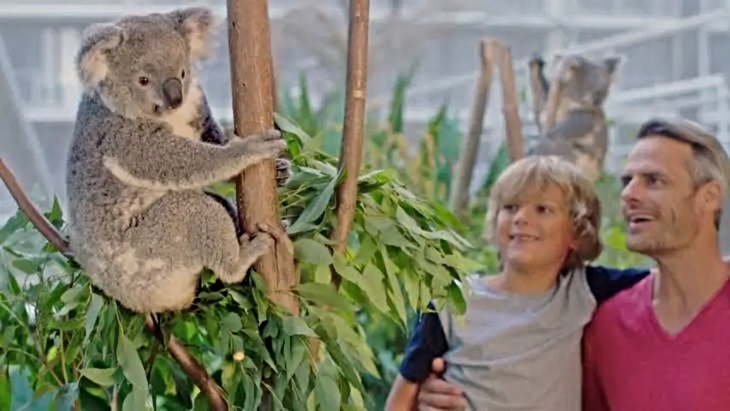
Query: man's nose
{"points": [[172, 92], [631, 191]]}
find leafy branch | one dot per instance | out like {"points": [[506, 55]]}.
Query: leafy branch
{"points": [[186, 361]]}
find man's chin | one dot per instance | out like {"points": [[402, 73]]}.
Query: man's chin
{"points": [[642, 246]]}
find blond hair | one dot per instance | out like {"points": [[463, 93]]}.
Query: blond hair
{"points": [[709, 159], [534, 174]]}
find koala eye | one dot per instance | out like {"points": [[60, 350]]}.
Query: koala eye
{"points": [[182, 75], [144, 80]]}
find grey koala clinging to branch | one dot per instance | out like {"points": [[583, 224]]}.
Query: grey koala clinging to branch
{"points": [[580, 132], [140, 224]]}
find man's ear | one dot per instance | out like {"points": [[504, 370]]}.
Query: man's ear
{"points": [[91, 62], [197, 25], [711, 196]]}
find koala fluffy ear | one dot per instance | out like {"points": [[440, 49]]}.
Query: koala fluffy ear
{"points": [[97, 41], [197, 25], [612, 65]]}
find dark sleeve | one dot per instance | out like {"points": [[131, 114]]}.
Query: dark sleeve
{"points": [[427, 343], [605, 282]]}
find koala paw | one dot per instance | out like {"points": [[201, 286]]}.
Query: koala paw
{"points": [[253, 248], [231, 134], [267, 145], [283, 171], [279, 235]]}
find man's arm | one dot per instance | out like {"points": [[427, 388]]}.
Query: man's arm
{"points": [[605, 282], [593, 396], [427, 342]]}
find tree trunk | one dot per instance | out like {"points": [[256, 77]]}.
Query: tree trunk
{"points": [[249, 43]]}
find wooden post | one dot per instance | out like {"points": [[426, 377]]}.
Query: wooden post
{"points": [[249, 43], [515, 142], [470, 147]]}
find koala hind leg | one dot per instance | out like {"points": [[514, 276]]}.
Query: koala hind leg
{"points": [[230, 209], [227, 254]]}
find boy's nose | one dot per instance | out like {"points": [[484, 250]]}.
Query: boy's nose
{"points": [[522, 216]]}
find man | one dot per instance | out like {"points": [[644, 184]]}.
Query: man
{"points": [[663, 343]]}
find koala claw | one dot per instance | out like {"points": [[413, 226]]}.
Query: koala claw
{"points": [[268, 144], [283, 171], [279, 235], [251, 249]]}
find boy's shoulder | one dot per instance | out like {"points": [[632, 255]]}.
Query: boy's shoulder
{"points": [[630, 300], [606, 282]]}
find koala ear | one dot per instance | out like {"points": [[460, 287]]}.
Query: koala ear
{"points": [[197, 25], [613, 63], [97, 41]]}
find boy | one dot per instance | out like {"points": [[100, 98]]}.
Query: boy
{"points": [[518, 345]]}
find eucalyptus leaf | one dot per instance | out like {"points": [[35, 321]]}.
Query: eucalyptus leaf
{"points": [[312, 251], [131, 364], [101, 376], [297, 326], [92, 313]]}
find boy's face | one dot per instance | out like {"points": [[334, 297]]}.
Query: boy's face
{"points": [[535, 230]]}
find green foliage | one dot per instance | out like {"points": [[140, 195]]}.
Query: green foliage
{"points": [[65, 339]]}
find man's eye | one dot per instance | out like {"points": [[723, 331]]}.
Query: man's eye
{"points": [[543, 209]]}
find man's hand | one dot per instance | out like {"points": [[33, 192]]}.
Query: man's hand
{"points": [[436, 394]]}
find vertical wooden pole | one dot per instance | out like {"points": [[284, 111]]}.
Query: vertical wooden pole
{"points": [[515, 142], [470, 146], [249, 41]]}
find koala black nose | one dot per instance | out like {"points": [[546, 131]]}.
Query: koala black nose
{"points": [[172, 92]]}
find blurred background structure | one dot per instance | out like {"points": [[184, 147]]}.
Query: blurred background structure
{"points": [[677, 62]]}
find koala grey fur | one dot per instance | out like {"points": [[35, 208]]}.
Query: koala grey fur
{"points": [[140, 224], [580, 133]]}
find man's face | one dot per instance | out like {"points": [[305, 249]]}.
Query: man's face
{"points": [[659, 201]]}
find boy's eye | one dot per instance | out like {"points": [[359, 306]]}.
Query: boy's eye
{"points": [[509, 207], [543, 209]]}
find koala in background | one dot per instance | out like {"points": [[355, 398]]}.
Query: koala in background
{"points": [[580, 133], [140, 223]]}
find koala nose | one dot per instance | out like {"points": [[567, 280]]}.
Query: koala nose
{"points": [[172, 92]]}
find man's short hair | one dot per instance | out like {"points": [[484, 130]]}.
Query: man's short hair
{"points": [[709, 160], [533, 174]]}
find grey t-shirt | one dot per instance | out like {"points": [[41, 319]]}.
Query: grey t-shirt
{"points": [[518, 352]]}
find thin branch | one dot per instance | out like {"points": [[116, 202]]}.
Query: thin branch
{"points": [[188, 364], [36, 217], [354, 122]]}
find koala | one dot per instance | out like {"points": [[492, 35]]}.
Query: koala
{"points": [[580, 133], [139, 221]]}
